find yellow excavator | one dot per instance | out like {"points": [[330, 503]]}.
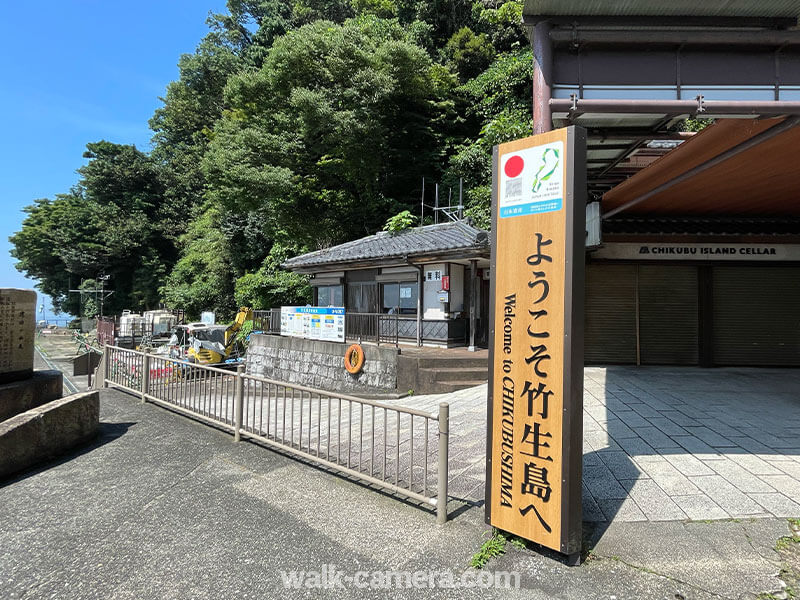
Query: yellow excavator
{"points": [[213, 344]]}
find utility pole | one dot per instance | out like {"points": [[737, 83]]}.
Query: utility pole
{"points": [[101, 291], [460, 198], [422, 203], [103, 278]]}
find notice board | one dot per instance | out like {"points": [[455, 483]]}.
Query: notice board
{"points": [[313, 322], [535, 397]]}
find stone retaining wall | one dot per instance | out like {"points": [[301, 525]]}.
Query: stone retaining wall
{"points": [[321, 364], [20, 396], [48, 431]]}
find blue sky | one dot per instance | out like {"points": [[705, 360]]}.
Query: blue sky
{"points": [[77, 71]]}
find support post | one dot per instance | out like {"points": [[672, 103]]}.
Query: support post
{"points": [[638, 320], [106, 364], [238, 401], [542, 77], [420, 289], [443, 474], [145, 374], [705, 314], [473, 300]]}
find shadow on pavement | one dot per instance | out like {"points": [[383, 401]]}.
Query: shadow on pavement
{"points": [[712, 430], [107, 432]]}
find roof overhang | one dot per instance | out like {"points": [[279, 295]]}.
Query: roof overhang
{"points": [[632, 71], [735, 167], [775, 9]]}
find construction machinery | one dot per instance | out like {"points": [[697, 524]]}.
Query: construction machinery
{"points": [[214, 344]]}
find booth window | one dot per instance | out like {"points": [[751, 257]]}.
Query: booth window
{"points": [[329, 295], [400, 298]]}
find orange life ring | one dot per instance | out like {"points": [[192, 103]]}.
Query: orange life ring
{"points": [[354, 359]]}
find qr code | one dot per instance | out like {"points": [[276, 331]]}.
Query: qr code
{"points": [[514, 188]]}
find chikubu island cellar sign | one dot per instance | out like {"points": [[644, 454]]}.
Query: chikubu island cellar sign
{"points": [[534, 449]]}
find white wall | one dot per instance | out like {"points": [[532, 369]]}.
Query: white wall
{"points": [[432, 308]]}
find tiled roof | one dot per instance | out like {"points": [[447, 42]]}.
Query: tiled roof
{"points": [[443, 238]]}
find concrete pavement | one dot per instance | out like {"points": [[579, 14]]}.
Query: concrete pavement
{"points": [[164, 507]]}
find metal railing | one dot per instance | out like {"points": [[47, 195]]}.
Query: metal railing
{"points": [[379, 327], [385, 445], [268, 321]]}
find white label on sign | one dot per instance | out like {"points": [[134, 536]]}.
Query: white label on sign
{"points": [[531, 181]]}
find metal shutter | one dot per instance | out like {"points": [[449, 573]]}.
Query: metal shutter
{"points": [[610, 325], [668, 322], [757, 316]]}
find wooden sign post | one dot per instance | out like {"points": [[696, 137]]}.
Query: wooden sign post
{"points": [[535, 419]]}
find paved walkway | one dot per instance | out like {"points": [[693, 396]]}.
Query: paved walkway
{"points": [[660, 444], [161, 506], [665, 444]]}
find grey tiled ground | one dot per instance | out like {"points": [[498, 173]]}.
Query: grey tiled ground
{"points": [[659, 444], [664, 444]]}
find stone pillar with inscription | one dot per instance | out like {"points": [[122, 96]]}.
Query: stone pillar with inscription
{"points": [[17, 326], [36, 423], [22, 388]]}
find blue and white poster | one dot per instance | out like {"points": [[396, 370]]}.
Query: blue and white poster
{"points": [[313, 322]]}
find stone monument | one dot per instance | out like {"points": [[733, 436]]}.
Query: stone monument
{"points": [[20, 387], [36, 423], [17, 326]]}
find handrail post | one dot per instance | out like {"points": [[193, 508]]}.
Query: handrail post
{"points": [[106, 364], [444, 438], [238, 401], [145, 374]]}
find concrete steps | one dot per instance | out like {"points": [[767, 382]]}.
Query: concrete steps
{"points": [[456, 362], [457, 373], [446, 387], [440, 374]]}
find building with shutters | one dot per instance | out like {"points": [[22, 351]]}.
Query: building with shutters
{"points": [[694, 253]]}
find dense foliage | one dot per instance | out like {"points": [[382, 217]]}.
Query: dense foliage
{"points": [[295, 125]]}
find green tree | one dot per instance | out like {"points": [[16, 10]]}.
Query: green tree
{"points": [[90, 301], [202, 278], [182, 126], [271, 286], [38, 251], [501, 20], [469, 53], [112, 222], [400, 222], [499, 100], [340, 121], [295, 124]]}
